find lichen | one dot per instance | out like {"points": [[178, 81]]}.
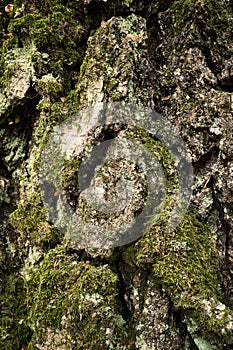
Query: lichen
{"points": [[109, 74], [17, 78], [203, 344], [142, 344]]}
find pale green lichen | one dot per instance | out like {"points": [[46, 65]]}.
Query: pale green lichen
{"points": [[19, 74], [142, 344], [113, 53], [203, 344]]}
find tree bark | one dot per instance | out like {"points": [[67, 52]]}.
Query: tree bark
{"points": [[163, 286]]}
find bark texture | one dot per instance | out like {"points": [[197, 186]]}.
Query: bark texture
{"points": [[167, 290]]}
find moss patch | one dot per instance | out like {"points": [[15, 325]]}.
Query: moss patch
{"points": [[161, 153], [186, 264], [14, 331], [64, 295], [189, 11], [206, 23], [30, 221], [55, 32]]}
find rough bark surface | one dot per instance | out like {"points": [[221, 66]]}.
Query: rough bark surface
{"points": [[167, 290]]}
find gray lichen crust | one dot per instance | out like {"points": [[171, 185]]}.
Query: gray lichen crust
{"points": [[17, 78], [167, 290], [115, 58]]}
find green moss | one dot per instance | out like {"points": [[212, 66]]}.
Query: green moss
{"points": [[189, 11], [49, 87], [76, 299], [207, 21], [186, 264], [30, 221], [43, 7], [161, 153], [70, 170], [14, 331], [58, 34]]}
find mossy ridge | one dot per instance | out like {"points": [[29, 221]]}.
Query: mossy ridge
{"points": [[75, 296], [189, 252], [186, 264]]}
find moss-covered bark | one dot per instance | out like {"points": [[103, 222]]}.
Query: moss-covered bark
{"points": [[167, 290]]}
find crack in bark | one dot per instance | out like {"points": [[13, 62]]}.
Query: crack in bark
{"points": [[227, 264]]}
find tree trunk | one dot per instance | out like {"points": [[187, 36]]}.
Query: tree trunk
{"points": [[116, 175]]}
